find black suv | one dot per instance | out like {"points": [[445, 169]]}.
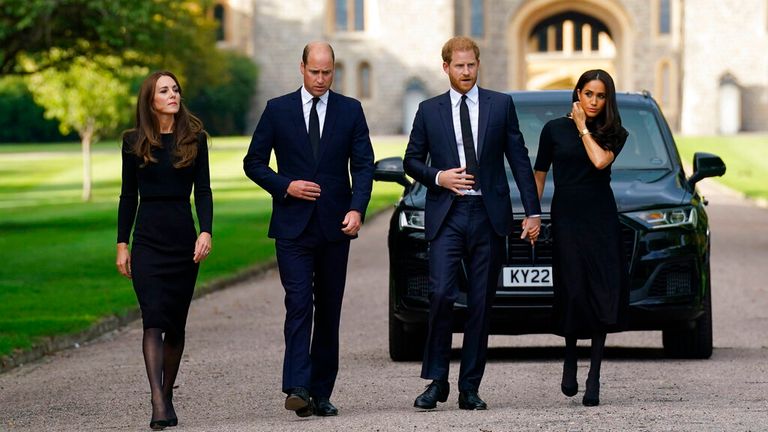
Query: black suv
{"points": [[664, 226]]}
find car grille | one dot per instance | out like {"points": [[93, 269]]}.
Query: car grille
{"points": [[418, 283], [674, 279], [520, 252]]}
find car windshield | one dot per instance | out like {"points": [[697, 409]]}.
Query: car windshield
{"points": [[644, 148]]}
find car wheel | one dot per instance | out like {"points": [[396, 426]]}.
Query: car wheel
{"points": [[695, 343], [405, 343]]}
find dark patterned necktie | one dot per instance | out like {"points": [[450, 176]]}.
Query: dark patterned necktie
{"points": [[314, 128], [466, 137]]}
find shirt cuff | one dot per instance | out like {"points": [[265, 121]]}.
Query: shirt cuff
{"points": [[437, 183], [532, 216]]}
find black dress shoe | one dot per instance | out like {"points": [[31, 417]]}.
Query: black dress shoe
{"points": [[591, 394], [323, 407], [437, 391], [470, 400], [298, 401]]}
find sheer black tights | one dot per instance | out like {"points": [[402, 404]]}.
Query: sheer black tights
{"points": [[162, 357]]}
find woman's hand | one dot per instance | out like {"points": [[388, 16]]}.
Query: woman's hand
{"points": [[123, 260], [202, 247], [579, 116]]}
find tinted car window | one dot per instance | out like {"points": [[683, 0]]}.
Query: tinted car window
{"points": [[644, 149]]}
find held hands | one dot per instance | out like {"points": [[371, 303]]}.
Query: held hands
{"points": [[352, 223], [303, 189], [202, 247], [531, 228], [579, 116], [123, 260], [456, 180]]}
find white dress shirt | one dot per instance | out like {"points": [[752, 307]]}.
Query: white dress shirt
{"points": [[306, 104], [473, 104]]}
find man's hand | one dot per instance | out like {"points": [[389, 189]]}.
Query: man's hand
{"points": [[303, 189], [456, 180], [531, 228], [352, 223]]}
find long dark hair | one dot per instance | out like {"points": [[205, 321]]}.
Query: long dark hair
{"points": [[606, 127], [146, 134]]}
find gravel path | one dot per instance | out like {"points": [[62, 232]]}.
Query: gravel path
{"points": [[230, 377]]}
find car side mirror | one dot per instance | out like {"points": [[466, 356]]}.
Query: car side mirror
{"points": [[391, 170], [705, 165]]}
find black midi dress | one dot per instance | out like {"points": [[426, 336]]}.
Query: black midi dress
{"points": [[164, 235], [591, 282]]}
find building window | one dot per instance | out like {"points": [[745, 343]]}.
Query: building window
{"points": [[349, 15], [477, 20], [665, 16], [364, 81], [338, 78], [219, 14], [469, 17]]}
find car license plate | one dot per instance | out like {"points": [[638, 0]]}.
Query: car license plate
{"points": [[538, 276]]}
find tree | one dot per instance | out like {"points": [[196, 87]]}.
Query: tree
{"points": [[53, 33], [88, 97]]}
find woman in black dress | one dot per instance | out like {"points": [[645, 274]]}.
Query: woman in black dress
{"points": [[163, 157], [590, 275]]}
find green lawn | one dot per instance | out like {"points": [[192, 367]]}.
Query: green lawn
{"points": [[57, 253], [745, 157]]}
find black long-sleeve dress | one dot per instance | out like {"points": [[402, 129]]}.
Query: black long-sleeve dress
{"points": [[591, 283], [162, 265]]}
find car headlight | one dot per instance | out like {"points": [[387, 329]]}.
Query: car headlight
{"points": [[413, 219], [666, 218]]}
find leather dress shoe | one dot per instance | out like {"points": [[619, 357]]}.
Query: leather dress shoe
{"points": [[470, 400], [323, 407], [298, 400], [437, 391]]}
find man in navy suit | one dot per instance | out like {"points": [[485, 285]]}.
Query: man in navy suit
{"points": [[319, 138], [466, 133]]}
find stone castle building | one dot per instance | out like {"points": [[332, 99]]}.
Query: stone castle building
{"points": [[704, 61]]}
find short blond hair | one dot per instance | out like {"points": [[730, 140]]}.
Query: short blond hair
{"points": [[459, 43]]}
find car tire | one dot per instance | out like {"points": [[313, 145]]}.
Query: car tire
{"points": [[405, 343], [695, 343]]}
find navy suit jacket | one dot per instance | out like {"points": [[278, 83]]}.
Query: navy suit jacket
{"points": [[498, 136], [345, 148]]}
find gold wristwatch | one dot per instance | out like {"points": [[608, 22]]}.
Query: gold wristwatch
{"points": [[583, 132]]}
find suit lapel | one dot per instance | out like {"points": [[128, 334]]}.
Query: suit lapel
{"points": [[297, 114], [446, 115], [484, 102]]}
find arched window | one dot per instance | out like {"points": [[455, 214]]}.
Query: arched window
{"points": [[338, 78], [364, 80], [219, 14]]}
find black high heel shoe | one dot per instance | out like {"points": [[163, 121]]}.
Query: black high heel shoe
{"points": [[592, 393], [158, 424], [569, 385], [172, 421]]}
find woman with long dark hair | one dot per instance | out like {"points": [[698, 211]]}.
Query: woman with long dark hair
{"points": [[590, 275], [164, 157]]}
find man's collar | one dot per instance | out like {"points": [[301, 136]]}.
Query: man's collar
{"points": [[473, 95], [307, 96]]}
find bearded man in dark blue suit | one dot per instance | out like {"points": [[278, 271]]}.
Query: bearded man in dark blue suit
{"points": [[466, 133], [320, 140]]}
